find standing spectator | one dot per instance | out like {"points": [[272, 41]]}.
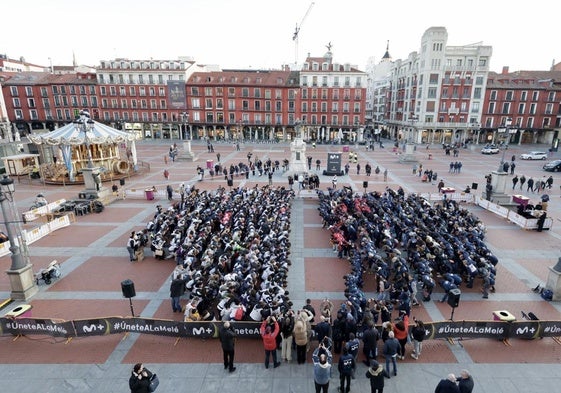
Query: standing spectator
{"points": [[376, 374], [176, 290], [391, 348], [522, 181], [286, 329], [339, 327], [334, 182], [353, 346], [401, 330], [269, 336], [465, 382], [290, 181], [358, 169], [514, 181], [418, 333], [323, 329], [227, 340], [169, 192], [270, 176], [345, 367], [386, 174], [139, 382], [310, 308], [318, 165], [370, 339], [132, 245], [447, 385], [300, 334], [326, 309], [512, 166], [166, 174], [218, 157], [322, 359]]}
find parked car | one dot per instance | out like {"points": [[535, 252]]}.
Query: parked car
{"points": [[490, 149], [553, 166], [534, 155]]}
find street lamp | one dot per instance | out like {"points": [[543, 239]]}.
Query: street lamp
{"points": [[506, 129], [185, 117], [21, 276], [85, 124]]}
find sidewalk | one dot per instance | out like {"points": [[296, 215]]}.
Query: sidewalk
{"points": [[94, 262]]}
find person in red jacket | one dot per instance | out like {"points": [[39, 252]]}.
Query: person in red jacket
{"points": [[269, 336], [401, 330]]}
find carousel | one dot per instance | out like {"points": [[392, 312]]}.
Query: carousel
{"points": [[70, 150]]}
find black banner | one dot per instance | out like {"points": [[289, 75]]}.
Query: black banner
{"points": [[32, 326], [500, 330], [176, 94]]}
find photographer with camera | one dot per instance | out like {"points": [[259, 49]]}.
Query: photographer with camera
{"points": [[269, 335], [322, 359]]}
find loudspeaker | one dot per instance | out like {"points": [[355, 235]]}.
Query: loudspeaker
{"points": [[127, 286], [474, 186], [364, 184], [122, 182], [230, 182], [454, 297]]}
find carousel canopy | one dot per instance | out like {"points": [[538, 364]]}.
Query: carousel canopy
{"points": [[72, 134]]}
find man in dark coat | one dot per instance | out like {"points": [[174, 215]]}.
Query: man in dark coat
{"points": [[139, 382], [376, 374], [370, 340], [465, 382], [447, 385], [227, 339], [176, 290]]}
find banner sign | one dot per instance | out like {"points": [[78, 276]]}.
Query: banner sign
{"points": [[176, 94], [333, 163], [500, 330]]}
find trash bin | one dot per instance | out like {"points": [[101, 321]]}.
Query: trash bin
{"points": [[149, 195], [22, 311], [209, 164], [503, 315]]}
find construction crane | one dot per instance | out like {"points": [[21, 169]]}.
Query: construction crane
{"points": [[297, 31]]}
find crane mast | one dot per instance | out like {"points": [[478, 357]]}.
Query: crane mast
{"points": [[297, 31]]}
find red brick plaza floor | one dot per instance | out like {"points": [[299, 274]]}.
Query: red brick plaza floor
{"points": [[93, 248]]}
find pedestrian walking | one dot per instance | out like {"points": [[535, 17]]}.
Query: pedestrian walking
{"points": [[269, 335], [376, 374], [227, 340], [322, 359], [530, 185], [386, 174], [166, 174], [465, 381], [447, 385], [512, 166], [522, 181], [514, 181], [140, 379]]}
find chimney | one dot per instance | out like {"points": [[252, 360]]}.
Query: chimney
{"points": [[505, 70]]}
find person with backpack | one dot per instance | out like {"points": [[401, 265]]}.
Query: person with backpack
{"points": [[345, 367]]}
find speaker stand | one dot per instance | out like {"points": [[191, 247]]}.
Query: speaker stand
{"points": [[452, 315], [132, 309]]}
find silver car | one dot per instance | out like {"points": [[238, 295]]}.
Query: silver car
{"points": [[534, 155]]}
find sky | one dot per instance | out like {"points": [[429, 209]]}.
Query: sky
{"points": [[258, 34]]}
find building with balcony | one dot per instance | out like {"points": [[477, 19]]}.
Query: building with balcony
{"points": [[437, 95]]}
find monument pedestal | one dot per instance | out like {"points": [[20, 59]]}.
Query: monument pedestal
{"points": [[187, 153], [22, 282], [409, 155], [297, 158], [93, 185], [498, 181]]}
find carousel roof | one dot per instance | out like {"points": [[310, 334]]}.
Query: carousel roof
{"points": [[71, 135]]}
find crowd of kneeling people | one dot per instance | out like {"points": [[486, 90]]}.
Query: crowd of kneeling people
{"points": [[232, 251]]}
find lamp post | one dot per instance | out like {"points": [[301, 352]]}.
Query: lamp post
{"points": [[22, 281], [185, 117], [85, 124], [507, 124]]}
